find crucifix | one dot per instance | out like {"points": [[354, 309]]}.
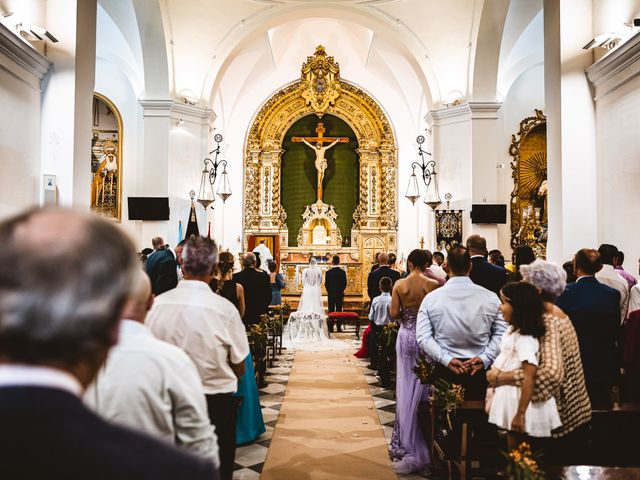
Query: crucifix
{"points": [[319, 148]]}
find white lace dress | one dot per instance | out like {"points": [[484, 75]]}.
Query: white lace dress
{"points": [[307, 327], [540, 417]]}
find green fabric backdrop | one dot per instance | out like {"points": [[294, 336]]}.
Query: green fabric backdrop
{"points": [[299, 175]]}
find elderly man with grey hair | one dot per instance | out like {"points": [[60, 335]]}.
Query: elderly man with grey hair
{"points": [[559, 373], [152, 386], [59, 316], [209, 329], [257, 290]]}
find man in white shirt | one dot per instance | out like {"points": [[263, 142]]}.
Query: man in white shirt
{"points": [[436, 266], [460, 326], [152, 386], [209, 329], [265, 255], [608, 276]]}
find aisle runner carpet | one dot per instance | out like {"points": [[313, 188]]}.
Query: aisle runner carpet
{"points": [[328, 425]]}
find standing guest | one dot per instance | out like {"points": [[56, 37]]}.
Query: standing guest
{"points": [[460, 326], [496, 258], [59, 316], [257, 291], [560, 373], [152, 386], [179, 249], [510, 406], [594, 310], [379, 316], [436, 266], [335, 281], [618, 261], [568, 268], [376, 262], [265, 255], [611, 277], [631, 346], [523, 255], [384, 270], [144, 254], [249, 424], [393, 259], [276, 282], [408, 446], [491, 277], [209, 329], [430, 273], [161, 267]]}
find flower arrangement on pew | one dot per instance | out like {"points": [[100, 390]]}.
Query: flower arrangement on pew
{"points": [[522, 464], [387, 356], [423, 370], [258, 337], [446, 398]]}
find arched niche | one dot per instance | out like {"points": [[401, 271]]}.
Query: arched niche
{"points": [[528, 149], [106, 158]]}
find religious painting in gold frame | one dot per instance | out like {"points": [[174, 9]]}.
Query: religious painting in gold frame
{"points": [[106, 159], [529, 218]]}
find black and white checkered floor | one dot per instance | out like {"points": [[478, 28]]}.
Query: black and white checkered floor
{"points": [[250, 458]]}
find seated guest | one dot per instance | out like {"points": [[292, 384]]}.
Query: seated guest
{"points": [[618, 261], [559, 373], [59, 316], [491, 277], [460, 327], [161, 267], [523, 255], [257, 291], [384, 270], [378, 318], [150, 385], [594, 310], [277, 283], [209, 329], [430, 273], [611, 277]]}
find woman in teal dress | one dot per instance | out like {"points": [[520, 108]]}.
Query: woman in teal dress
{"points": [[249, 424]]}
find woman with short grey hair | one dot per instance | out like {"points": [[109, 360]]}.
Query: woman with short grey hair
{"points": [[560, 372]]}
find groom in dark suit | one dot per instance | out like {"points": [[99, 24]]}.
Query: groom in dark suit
{"points": [[492, 277], [335, 282]]}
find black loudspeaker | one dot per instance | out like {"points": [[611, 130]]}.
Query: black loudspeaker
{"points": [[489, 213], [148, 208]]}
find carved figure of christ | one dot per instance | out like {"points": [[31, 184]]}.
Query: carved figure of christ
{"points": [[320, 149]]}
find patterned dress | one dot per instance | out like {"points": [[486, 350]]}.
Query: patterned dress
{"points": [[408, 445]]}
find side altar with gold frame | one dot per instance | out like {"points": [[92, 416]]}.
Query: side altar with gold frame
{"points": [[320, 90]]}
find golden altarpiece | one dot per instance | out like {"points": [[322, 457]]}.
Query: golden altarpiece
{"points": [[320, 91]]}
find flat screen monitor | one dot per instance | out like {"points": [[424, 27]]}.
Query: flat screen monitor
{"points": [[488, 213], [148, 208]]}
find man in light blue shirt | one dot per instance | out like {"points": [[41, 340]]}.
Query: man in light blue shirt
{"points": [[460, 327], [379, 316]]}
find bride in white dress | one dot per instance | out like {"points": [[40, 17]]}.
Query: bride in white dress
{"points": [[307, 327]]}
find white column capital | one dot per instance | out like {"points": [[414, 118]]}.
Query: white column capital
{"points": [[484, 110], [173, 109], [25, 57], [445, 116]]}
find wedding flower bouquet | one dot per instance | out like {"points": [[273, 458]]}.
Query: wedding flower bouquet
{"points": [[423, 370], [446, 398], [522, 464]]}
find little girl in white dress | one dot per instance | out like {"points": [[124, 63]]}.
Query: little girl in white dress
{"points": [[510, 407]]}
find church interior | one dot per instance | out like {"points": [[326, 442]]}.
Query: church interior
{"points": [[340, 129]]}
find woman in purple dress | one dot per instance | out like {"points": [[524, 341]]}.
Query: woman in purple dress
{"points": [[408, 447]]}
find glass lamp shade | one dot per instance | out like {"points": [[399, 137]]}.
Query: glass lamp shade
{"points": [[413, 193], [205, 193], [432, 197], [224, 187]]}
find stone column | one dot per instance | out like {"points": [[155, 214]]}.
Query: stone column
{"points": [[486, 127], [571, 146], [67, 99]]}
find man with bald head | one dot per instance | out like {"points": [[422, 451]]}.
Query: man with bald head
{"points": [[384, 270], [492, 277], [257, 290], [161, 267], [59, 317], [152, 386]]}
